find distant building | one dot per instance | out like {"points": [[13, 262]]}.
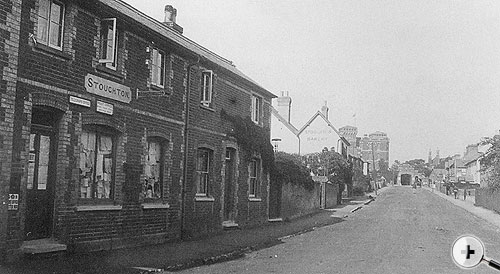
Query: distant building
{"points": [[375, 147], [317, 133], [350, 133]]}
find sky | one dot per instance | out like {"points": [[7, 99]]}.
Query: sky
{"points": [[425, 72]]}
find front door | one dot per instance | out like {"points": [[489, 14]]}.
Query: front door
{"points": [[229, 214], [39, 194]]}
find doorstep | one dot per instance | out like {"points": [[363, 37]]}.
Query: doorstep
{"points": [[229, 225], [41, 246], [275, 220]]}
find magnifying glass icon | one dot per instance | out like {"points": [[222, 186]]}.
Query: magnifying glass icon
{"points": [[468, 252]]}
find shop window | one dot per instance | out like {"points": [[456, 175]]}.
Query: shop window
{"points": [[158, 68], [253, 175], [50, 23], [96, 165], [153, 171], [206, 88], [109, 43], [256, 109], [203, 165]]}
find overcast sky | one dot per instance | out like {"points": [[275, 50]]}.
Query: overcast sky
{"points": [[425, 72]]}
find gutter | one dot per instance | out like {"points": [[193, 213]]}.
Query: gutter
{"points": [[186, 143]]}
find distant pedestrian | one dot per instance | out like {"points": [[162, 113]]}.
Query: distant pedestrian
{"points": [[465, 193], [455, 191], [433, 186]]}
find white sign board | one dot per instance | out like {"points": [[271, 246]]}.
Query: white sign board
{"points": [[106, 88], [79, 101], [105, 108]]}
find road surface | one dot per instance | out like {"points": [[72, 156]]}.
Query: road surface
{"points": [[403, 231]]}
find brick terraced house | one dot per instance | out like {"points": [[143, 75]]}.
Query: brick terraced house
{"points": [[111, 130]]}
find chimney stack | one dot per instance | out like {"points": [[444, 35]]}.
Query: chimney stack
{"points": [[284, 105], [170, 19], [324, 110]]}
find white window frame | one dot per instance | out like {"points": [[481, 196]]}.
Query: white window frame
{"points": [[207, 87], [110, 61], [256, 109], [158, 68], [49, 22], [253, 178], [203, 174]]}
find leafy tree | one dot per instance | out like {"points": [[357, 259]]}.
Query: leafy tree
{"points": [[420, 166], [490, 163], [331, 164], [289, 168]]}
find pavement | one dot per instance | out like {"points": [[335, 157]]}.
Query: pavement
{"points": [[404, 231], [227, 245], [488, 215]]}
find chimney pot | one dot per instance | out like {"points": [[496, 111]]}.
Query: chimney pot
{"points": [[171, 18], [170, 14]]}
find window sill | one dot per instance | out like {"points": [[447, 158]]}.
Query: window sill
{"points": [[207, 108], [204, 199], [98, 207], [105, 70], [254, 199], [154, 206], [46, 49]]}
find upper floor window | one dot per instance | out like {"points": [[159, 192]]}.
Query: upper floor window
{"points": [[153, 170], [203, 171], [109, 42], [206, 87], [253, 175], [96, 164], [50, 23], [256, 109], [158, 68]]}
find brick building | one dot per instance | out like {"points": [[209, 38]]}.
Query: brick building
{"points": [[111, 130]]}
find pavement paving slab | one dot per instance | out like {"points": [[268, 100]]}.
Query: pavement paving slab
{"points": [[227, 245]]}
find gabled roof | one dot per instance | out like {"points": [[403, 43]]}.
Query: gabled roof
{"points": [[284, 121], [181, 40], [327, 122]]}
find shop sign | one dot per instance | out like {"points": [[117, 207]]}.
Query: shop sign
{"points": [[105, 108], [13, 202], [106, 88], [79, 101]]}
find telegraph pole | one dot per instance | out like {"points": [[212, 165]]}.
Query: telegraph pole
{"points": [[374, 170]]}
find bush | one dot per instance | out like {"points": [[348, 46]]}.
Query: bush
{"points": [[289, 168]]}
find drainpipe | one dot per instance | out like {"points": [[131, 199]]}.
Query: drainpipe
{"points": [[186, 140]]}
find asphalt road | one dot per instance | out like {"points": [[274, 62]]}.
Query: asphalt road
{"points": [[403, 231]]}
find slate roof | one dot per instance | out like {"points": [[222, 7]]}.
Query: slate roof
{"points": [[182, 41]]}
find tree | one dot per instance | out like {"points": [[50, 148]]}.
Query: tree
{"points": [[420, 166], [330, 164], [290, 168], [490, 163]]}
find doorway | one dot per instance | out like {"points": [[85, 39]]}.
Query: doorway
{"points": [[230, 185], [41, 175]]}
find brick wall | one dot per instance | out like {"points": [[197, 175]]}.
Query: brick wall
{"points": [[9, 41], [297, 201], [47, 77], [207, 129]]}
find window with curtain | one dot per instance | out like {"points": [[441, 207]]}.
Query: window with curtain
{"points": [[96, 165], [153, 171]]}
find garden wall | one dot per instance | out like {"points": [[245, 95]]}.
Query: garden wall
{"points": [[488, 198]]}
